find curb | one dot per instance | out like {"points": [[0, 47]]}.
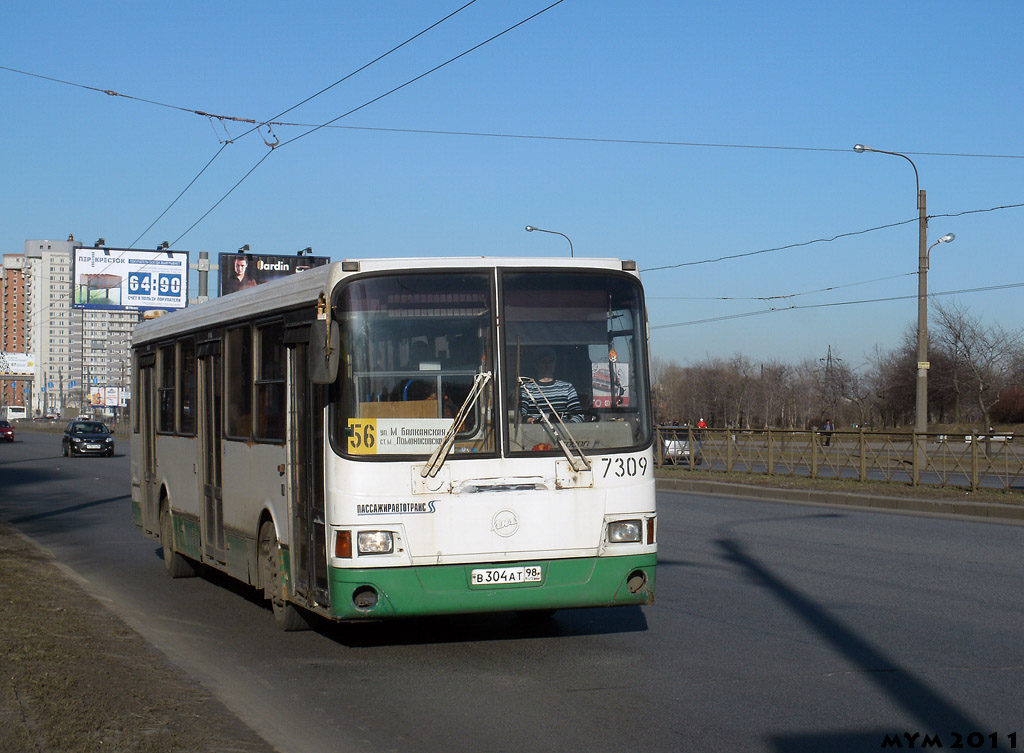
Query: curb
{"points": [[965, 508]]}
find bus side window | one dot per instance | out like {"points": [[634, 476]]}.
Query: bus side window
{"points": [[270, 396], [238, 378], [165, 424]]}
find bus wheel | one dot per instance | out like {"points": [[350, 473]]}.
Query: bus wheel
{"points": [[287, 616], [176, 565]]}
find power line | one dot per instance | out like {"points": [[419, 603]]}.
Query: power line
{"points": [[775, 309], [650, 142], [827, 240], [483, 134], [779, 248], [776, 297]]}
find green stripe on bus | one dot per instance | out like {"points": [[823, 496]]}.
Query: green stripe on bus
{"points": [[187, 537], [446, 589]]}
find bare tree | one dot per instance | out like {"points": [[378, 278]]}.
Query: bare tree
{"points": [[989, 353], [951, 372], [973, 366]]}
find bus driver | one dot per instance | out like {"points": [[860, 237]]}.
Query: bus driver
{"points": [[535, 395]]}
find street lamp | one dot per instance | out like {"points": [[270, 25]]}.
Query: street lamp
{"points": [[921, 419], [531, 228], [947, 238]]}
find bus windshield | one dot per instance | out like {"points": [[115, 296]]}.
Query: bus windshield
{"points": [[412, 345], [574, 367], [575, 360]]}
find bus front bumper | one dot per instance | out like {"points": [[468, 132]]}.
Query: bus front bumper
{"points": [[448, 589]]}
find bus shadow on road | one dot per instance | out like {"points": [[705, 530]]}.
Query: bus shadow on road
{"points": [[471, 628], [457, 628]]}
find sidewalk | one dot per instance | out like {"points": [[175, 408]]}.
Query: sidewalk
{"points": [[74, 678]]}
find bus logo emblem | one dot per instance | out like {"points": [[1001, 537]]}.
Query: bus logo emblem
{"points": [[505, 523]]}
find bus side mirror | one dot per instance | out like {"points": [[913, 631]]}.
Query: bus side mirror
{"points": [[324, 351]]}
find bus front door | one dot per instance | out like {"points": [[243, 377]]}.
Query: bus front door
{"points": [[210, 443], [306, 440]]}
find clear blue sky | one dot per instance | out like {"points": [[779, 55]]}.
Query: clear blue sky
{"points": [[916, 77]]}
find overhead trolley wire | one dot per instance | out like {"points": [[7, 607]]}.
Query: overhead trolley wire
{"points": [[361, 68], [365, 104], [257, 125]]}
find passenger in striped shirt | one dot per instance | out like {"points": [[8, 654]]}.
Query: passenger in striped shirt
{"points": [[561, 395]]}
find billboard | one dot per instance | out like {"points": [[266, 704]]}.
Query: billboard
{"points": [[130, 280], [17, 363], [240, 271], [109, 397]]}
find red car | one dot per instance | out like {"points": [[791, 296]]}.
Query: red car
{"points": [[6, 431]]}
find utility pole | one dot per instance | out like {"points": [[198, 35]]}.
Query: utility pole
{"points": [[203, 266], [921, 421]]}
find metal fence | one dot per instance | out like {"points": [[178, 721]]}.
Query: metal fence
{"points": [[972, 461]]}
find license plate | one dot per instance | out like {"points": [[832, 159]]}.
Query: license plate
{"points": [[499, 575], [92, 447]]}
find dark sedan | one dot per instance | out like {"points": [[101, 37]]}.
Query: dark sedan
{"points": [[87, 438]]}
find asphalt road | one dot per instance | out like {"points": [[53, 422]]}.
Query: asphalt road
{"points": [[776, 628]]}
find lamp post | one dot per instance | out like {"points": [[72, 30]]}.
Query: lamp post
{"points": [[531, 228], [921, 418]]}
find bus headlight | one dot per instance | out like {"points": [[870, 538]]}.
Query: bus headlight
{"points": [[624, 532], [376, 542]]}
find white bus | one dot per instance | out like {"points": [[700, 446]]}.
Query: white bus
{"points": [[14, 412], [372, 438]]}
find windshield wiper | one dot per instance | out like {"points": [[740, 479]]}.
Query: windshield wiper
{"points": [[448, 441], [580, 463]]}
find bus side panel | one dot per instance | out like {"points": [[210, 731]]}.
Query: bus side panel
{"points": [[175, 470], [253, 486], [135, 461]]}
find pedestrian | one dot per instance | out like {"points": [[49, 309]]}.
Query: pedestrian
{"points": [[827, 430], [701, 429]]}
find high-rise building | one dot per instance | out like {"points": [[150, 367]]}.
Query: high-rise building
{"points": [[54, 328]]}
